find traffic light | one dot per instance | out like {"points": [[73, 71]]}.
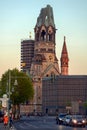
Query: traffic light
{"points": [[0, 104], [9, 104], [46, 110]]}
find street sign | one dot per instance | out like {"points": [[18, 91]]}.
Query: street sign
{"points": [[4, 103], [75, 107], [4, 100]]}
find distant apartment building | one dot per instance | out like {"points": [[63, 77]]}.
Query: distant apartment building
{"points": [[27, 53]]}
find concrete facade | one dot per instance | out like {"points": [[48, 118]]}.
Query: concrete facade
{"points": [[64, 93], [27, 53]]}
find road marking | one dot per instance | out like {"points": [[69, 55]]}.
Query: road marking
{"points": [[21, 126], [32, 125]]}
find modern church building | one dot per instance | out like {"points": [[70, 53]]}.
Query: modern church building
{"points": [[66, 93]]}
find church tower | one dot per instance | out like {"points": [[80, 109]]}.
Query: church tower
{"points": [[44, 62], [64, 59]]}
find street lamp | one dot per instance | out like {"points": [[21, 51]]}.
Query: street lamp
{"points": [[10, 87], [9, 93], [15, 84]]}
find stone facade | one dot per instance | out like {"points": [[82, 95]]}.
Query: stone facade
{"points": [[44, 62]]}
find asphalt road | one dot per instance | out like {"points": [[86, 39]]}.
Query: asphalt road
{"points": [[2, 127], [42, 123]]}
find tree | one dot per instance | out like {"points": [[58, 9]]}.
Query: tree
{"points": [[23, 91], [85, 106], [68, 107]]}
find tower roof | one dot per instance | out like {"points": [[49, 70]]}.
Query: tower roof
{"points": [[64, 49], [46, 17]]}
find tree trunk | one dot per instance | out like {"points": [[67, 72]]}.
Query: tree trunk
{"points": [[16, 111]]}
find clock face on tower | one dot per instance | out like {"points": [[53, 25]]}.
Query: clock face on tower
{"points": [[50, 30], [50, 57]]}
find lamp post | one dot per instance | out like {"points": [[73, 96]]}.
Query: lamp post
{"points": [[14, 75], [9, 93], [10, 88]]}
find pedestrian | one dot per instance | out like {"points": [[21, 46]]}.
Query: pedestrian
{"points": [[10, 122], [5, 120]]}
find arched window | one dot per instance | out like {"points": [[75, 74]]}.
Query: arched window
{"points": [[50, 33], [47, 75], [43, 35], [49, 37], [37, 36]]}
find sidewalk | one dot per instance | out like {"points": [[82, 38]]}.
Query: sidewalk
{"points": [[3, 128]]}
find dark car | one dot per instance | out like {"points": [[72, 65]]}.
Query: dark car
{"points": [[60, 118], [66, 120], [1, 116], [78, 120]]}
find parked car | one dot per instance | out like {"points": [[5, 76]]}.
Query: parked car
{"points": [[1, 116], [60, 118], [66, 120], [77, 120]]}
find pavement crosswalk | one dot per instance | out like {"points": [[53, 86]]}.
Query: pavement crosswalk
{"points": [[2, 127]]}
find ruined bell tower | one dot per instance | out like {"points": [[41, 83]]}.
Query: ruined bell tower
{"points": [[44, 62]]}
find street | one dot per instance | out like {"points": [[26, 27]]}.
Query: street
{"points": [[2, 127], [41, 123]]}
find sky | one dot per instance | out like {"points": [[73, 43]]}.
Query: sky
{"points": [[18, 18]]}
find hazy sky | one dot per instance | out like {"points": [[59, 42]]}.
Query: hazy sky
{"points": [[18, 18]]}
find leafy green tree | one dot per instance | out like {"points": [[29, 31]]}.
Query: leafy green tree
{"points": [[85, 106], [20, 93]]}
